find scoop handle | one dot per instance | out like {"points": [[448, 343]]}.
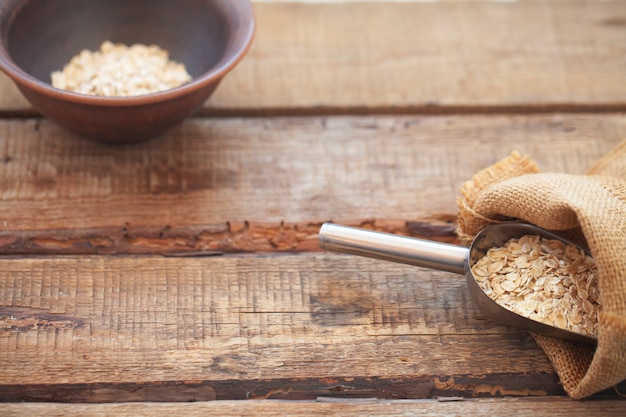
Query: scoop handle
{"points": [[388, 247]]}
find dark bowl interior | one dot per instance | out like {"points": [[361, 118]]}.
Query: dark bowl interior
{"points": [[41, 36], [193, 31]]}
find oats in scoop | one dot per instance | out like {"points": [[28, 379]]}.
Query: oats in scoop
{"points": [[545, 280]]}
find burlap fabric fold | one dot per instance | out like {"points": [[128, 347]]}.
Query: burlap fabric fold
{"points": [[591, 208]]}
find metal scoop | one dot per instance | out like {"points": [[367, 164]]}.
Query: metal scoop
{"points": [[446, 257]]}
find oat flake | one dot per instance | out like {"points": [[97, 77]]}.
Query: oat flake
{"points": [[118, 70], [545, 280]]}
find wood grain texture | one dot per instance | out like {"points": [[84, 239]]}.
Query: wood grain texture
{"points": [[266, 184], [101, 322], [519, 407], [424, 57], [123, 281]]}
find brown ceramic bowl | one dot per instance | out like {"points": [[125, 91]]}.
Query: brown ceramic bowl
{"points": [[38, 37]]}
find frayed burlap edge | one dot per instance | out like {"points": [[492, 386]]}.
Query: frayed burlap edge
{"points": [[469, 222]]}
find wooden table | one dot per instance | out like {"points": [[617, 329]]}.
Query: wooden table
{"points": [[153, 278]]}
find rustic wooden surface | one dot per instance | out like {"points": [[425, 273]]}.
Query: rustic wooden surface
{"points": [[460, 55], [266, 183], [518, 407], [134, 279]]}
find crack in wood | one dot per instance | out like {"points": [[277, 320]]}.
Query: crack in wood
{"points": [[14, 319], [230, 237], [492, 390], [405, 387]]}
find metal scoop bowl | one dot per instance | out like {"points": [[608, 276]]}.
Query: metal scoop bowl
{"points": [[451, 258]]}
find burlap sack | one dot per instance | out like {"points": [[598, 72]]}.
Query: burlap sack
{"points": [[589, 207]]}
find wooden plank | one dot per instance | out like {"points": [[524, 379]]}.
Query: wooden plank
{"points": [[519, 407], [266, 184], [93, 329], [424, 57]]}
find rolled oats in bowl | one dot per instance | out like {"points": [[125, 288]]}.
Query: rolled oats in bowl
{"points": [[545, 280], [118, 70]]}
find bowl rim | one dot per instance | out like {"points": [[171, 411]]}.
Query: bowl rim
{"points": [[223, 66]]}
